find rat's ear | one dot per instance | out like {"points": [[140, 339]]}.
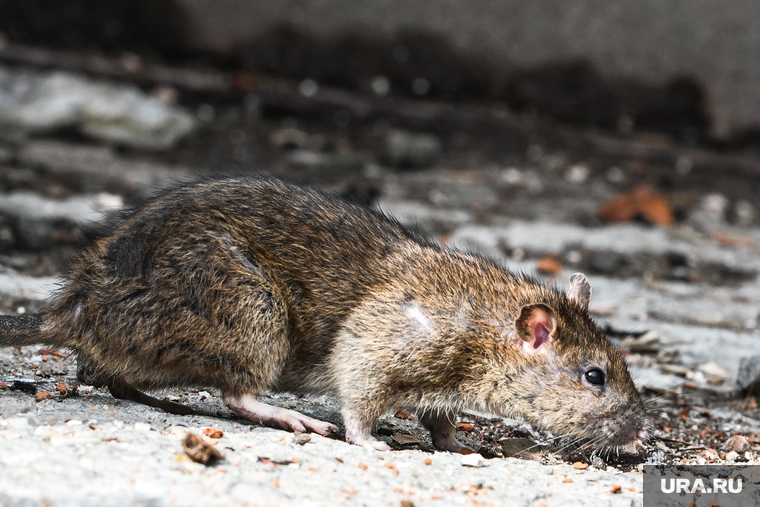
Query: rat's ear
{"points": [[536, 326], [580, 290]]}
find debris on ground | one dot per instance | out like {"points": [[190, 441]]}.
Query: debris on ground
{"points": [[199, 450]]}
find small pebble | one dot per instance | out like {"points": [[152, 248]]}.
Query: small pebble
{"points": [[302, 439], [473, 460]]}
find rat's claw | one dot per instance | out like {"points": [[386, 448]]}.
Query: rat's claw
{"points": [[317, 426]]}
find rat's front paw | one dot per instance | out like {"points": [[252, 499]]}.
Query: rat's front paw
{"points": [[367, 442]]}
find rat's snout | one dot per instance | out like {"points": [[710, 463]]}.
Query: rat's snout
{"points": [[639, 432], [639, 435]]}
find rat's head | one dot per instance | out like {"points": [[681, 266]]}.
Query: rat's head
{"points": [[573, 381]]}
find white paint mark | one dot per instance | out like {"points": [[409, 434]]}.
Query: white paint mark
{"points": [[413, 312]]}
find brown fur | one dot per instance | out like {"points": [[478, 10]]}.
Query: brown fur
{"points": [[251, 283]]}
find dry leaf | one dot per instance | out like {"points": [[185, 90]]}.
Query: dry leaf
{"points": [[642, 201], [200, 451], [402, 414], [213, 432], [549, 265]]}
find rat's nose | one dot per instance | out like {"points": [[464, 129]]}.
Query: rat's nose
{"points": [[640, 435]]}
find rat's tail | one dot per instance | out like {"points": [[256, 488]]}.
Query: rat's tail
{"points": [[19, 330]]}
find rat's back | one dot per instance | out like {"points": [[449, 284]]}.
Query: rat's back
{"points": [[168, 292]]}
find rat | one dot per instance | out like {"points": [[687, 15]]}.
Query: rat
{"points": [[249, 283]]}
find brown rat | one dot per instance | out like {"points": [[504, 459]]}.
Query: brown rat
{"points": [[252, 283]]}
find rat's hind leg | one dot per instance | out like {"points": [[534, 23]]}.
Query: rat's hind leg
{"points": [[443, 431], [248, 406]]}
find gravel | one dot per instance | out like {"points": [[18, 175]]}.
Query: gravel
{"points": [[94, 451]]}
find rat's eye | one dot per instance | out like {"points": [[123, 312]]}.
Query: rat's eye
{"points": [[595, 376]]}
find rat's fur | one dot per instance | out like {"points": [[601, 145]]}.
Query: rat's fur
{"points": [[251, 283]]}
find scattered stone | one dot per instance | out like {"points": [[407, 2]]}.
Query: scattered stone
{"points": [[40, 222], [410, 150], [24, 385], [473, 460], [302, 439], [61, 388], [737, 443], [598, 462], [731, 456], [39, 101], [3, 385], [745, 212], [407, 503], [645, 343], [403, 439], [749, 371], [361, 465], [199, 450], [289, 138], [616, 489], [522, 448], [577, 173], [603, 309], [709, 454], [713, 370], [141, 426], [101, 162], [427, 461], [213, 432], [42, 396], [465, 426], [580, 466]]}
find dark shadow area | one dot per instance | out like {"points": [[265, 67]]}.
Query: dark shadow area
{"points": [[153, 27], [408, 64]]}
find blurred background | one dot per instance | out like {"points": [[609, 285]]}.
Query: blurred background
{"points": [[621, 139]]}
